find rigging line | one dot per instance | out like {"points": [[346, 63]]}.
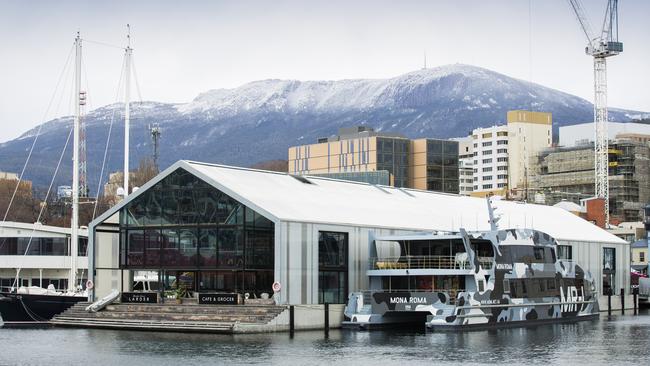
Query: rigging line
{"points": [[103, 44], [135, 76], [47, 194], [38, 132], [108, 138]]}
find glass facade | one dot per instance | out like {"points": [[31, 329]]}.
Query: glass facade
{"points": [[332, 267], [40, 246], [609, 270], [392, 155], [442, 166], [188, 230]]}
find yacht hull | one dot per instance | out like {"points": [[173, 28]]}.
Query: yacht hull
{"points": [[28, 308]]}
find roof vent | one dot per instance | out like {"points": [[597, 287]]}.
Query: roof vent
{"points": [[301, 179]]}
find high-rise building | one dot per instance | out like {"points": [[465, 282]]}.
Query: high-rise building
{"points": [[528, 134], [502, 153], [465, 165], [490, 163], [358, 153]]}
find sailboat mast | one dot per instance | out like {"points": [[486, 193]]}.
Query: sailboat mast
{"points": [[74, 225], [127, 109]]}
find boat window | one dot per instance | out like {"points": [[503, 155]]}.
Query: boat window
{"points": [[481, 286], [565, 252], [539, 253], [506, 286], [550, 284]]}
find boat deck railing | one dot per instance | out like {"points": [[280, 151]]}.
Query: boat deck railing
{"points": [[426, 262]]}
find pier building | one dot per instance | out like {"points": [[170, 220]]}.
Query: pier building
{"points": [[229, 229], [39, 255]]}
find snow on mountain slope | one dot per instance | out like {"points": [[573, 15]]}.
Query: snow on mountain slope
{"points": [[261, 119]]}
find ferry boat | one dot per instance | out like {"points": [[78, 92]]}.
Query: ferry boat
{"points": [[462, 281]]}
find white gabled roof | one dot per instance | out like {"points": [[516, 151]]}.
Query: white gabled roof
{"points": [[282, 197]]}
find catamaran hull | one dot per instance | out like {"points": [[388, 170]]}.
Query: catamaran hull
{"points": [[28, 308], [509, 324]]}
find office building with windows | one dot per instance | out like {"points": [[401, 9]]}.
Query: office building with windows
{"points": [[358, 153], [433, 165], [228, 229]]}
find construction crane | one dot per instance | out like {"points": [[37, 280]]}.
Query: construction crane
{"points": [[601, 46]]}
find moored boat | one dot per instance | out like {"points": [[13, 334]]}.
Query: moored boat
{"points": [[458, 281]]}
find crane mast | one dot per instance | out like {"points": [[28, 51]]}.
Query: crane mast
{"points": [[600, 47]]}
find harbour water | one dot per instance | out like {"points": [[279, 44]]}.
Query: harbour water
{"points": [[620, 340]]}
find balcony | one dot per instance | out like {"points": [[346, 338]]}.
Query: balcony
{"points": [[427, 262]]}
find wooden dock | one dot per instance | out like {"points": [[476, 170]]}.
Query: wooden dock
{"points": [[227, 319]]}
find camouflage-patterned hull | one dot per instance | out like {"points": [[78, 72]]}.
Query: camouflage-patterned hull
{"points": [[524, 284]]}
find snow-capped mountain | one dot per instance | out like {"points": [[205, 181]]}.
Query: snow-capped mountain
{"points": [[260, 120]]}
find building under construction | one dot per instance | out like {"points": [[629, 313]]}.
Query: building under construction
{"points": [[567, 173]]}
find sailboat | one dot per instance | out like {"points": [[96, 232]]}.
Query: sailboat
{"points": [[30, 305]]}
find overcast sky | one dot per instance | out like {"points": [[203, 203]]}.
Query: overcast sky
{"points": [[185, 48]]}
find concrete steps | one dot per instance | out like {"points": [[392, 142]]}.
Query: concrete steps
{"points": [[171, 317]]}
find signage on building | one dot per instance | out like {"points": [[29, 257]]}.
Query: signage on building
{"points": [[404, 301], [140, 297], [218, 299]]}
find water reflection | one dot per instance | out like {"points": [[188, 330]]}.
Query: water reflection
{"points": [[619, 340]]}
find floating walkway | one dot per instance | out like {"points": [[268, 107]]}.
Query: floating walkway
{"points": [[227, 319]]}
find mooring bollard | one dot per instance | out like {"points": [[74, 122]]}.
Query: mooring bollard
{"points": [[635, 293], [623, 301], [327, 319], [609, 302], [291, 321]]}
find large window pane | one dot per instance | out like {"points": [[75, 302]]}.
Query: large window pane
{"points": [[609, 259], [332, 266], [208, 248], [152, 244], [259, 249], [170, 248], [188, 252], [229, 248], [135, 239], [332, 249]]}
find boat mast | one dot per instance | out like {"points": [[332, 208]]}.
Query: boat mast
{"points": [[127, 109], [74, 225]]}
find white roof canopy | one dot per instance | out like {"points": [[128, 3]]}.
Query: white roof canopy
{"points": [[283, 197]]}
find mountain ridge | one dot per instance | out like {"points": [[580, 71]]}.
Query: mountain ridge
{"points": [[259, 120]]}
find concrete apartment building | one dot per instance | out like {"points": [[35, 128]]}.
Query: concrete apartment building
{"points": [[361, 154], [528, 134], [502, 153], [490, 161], [465, 165]]}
